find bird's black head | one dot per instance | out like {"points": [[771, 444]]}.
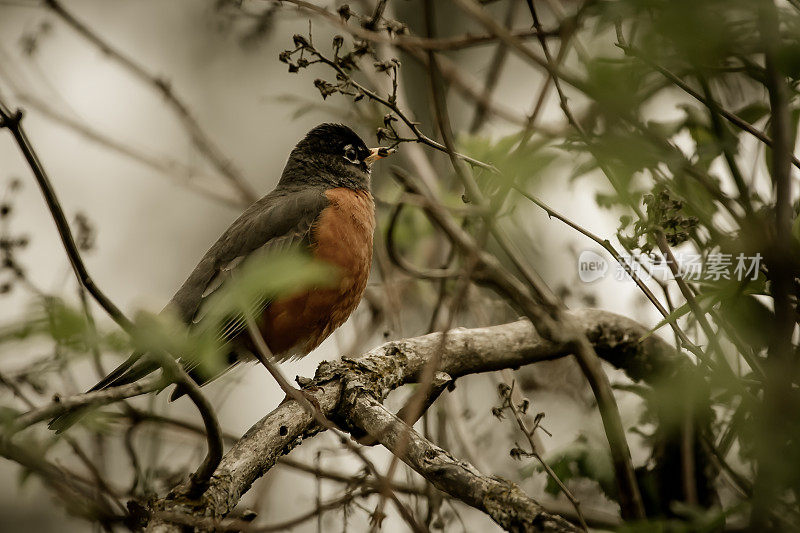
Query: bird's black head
{"points": [[334, 155]]}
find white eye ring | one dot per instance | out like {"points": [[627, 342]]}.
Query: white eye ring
{"points": [[351, 155]]}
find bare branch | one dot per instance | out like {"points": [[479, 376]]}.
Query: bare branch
{"points": [[185, 175], [410, 41], [509, 402], [90, 399], [12, 121], [199, 137]]}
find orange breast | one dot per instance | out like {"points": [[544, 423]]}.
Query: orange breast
{"points": [[341, 235]]}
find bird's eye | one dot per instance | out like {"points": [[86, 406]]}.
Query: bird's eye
{"points": [[351, 154]]}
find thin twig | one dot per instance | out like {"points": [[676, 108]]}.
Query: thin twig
{"points": [[12, 121], [199, 137], [183, 174], [88, 399], [606, 244], [529, 436], [493, 74], [457, 42]]}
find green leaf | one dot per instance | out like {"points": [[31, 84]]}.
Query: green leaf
{"points": [[753, 112], [751, 319], [516, 164], [702, 302], [581, 459], [270, 275], [67, 326], [666, 129]]}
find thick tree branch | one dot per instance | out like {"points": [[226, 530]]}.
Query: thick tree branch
{"points": [[465, 351], [504, 502]]}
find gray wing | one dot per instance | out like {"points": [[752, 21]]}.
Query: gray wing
{"points": [[277, 221], [281, 218], [281, 221]]}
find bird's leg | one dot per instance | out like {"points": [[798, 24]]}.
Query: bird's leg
{"points": [[263, 354], [292, 393], [308, 394]]}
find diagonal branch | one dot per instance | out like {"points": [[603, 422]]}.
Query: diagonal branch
{"points": [[12, 121], [199, 137], [504, 502], [172, 369], [183, 174]]}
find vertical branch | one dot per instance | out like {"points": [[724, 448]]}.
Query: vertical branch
{"points": [[493, 75], [779, 404]]}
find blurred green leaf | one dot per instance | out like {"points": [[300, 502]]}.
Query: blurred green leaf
{"points": [[68, 327], [749, 318], [753, 112], [668, 128], [705, 301], [259, 279], [517, 164], [52, 318], [581, 459], [695, 520], [269, 275], [165, 333], [616, 86]]}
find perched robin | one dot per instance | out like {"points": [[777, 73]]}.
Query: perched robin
{"points": [[323, 203]]}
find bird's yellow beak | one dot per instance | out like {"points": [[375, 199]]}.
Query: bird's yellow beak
{"points": [[378, 153]]}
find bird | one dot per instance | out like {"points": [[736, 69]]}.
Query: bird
{"points": [[323, 204]]}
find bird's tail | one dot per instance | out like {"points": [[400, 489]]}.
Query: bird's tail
{"points": [[132, 369], [65, 421]]}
